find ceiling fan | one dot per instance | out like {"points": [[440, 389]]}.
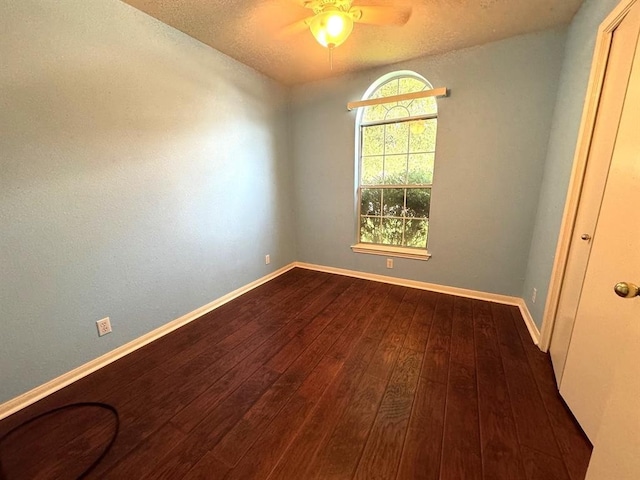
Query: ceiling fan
{"points": [[332, 20]]}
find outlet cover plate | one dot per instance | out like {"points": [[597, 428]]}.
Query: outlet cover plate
{"points": [[104, 326]]}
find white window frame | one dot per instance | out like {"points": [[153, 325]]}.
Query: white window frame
{"points": [[376, 248]]}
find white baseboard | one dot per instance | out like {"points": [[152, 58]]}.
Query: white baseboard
{"points": [[76, 374], [528, 321], [63, 380], [460, 292]]}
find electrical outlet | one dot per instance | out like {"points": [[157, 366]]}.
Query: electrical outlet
{"points": [[267, 259], [389, 262], [104, 326], [534, 293]]}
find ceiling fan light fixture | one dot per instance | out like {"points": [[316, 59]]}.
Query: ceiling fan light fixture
{"points": [[331, 27]]}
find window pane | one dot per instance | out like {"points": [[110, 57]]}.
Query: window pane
{"points": [[396, 138], [423, 106], [388, 89], [421, 168], [370, 201], [370, 229], [374, 113], [411, 85], [418, 202], [392, 231], [395, 169], [423, 136], [430, 132], [372, 170], [373, 140], [417, 127], [397, 112], [415, 233], [393, 199]]}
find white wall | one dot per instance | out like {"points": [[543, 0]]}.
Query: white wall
{"points": [[562, 144], [491, 147], [143, 175]]}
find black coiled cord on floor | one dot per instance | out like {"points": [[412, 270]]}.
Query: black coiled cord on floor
{"points": [[71, 406]]}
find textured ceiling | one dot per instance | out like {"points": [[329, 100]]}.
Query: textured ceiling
{"points": [[251, 31]]}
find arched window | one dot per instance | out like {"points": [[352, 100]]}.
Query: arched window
{"points": [[396, 151]]}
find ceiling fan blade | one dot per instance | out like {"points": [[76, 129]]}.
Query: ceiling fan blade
{"points": [[295, 28], [381, 15]]}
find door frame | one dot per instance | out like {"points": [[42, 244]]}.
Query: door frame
{"points": [[585, 136]]}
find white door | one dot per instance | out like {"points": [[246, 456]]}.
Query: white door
{"points": [[601, 380], [603, 140], [616, 454]]}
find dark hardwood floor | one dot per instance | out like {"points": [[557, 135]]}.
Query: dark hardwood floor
{"points": [[315, 375]]}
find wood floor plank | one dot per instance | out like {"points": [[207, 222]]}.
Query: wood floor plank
{"points": [[62, 443], [339, 457], [364, 317], [297, 460], [423, 445], [124, 371], [234, 314], [383, 449], [421, 321], [573, 443], [148, 452], [200, 353], [379, 308], [272, 440], [540, 466], [186, 454], [438, 351], [532, 422], [144, 413], [221, 322], [262, 458], [315, 375], [500, 449], [161, 400], [234, 445], [393, 301], [393, 338], [212, 469], [405, 313], [332, 320], [461, 455], [121, 373], [388, 350], [242, 362]]}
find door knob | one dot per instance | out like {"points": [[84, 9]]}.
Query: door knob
{"points": [[626, 290], [586, 237]]}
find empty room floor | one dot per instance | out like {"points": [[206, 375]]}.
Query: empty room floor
{"points": [[315, 375]]}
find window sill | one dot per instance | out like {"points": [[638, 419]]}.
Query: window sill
{"points": [[391, 251]]}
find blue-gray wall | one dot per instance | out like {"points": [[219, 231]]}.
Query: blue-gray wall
{"points": [[562, 144], [492, 143], [142, 175]]}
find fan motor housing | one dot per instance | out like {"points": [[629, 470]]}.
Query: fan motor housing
{"points": [[318, 6]]}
